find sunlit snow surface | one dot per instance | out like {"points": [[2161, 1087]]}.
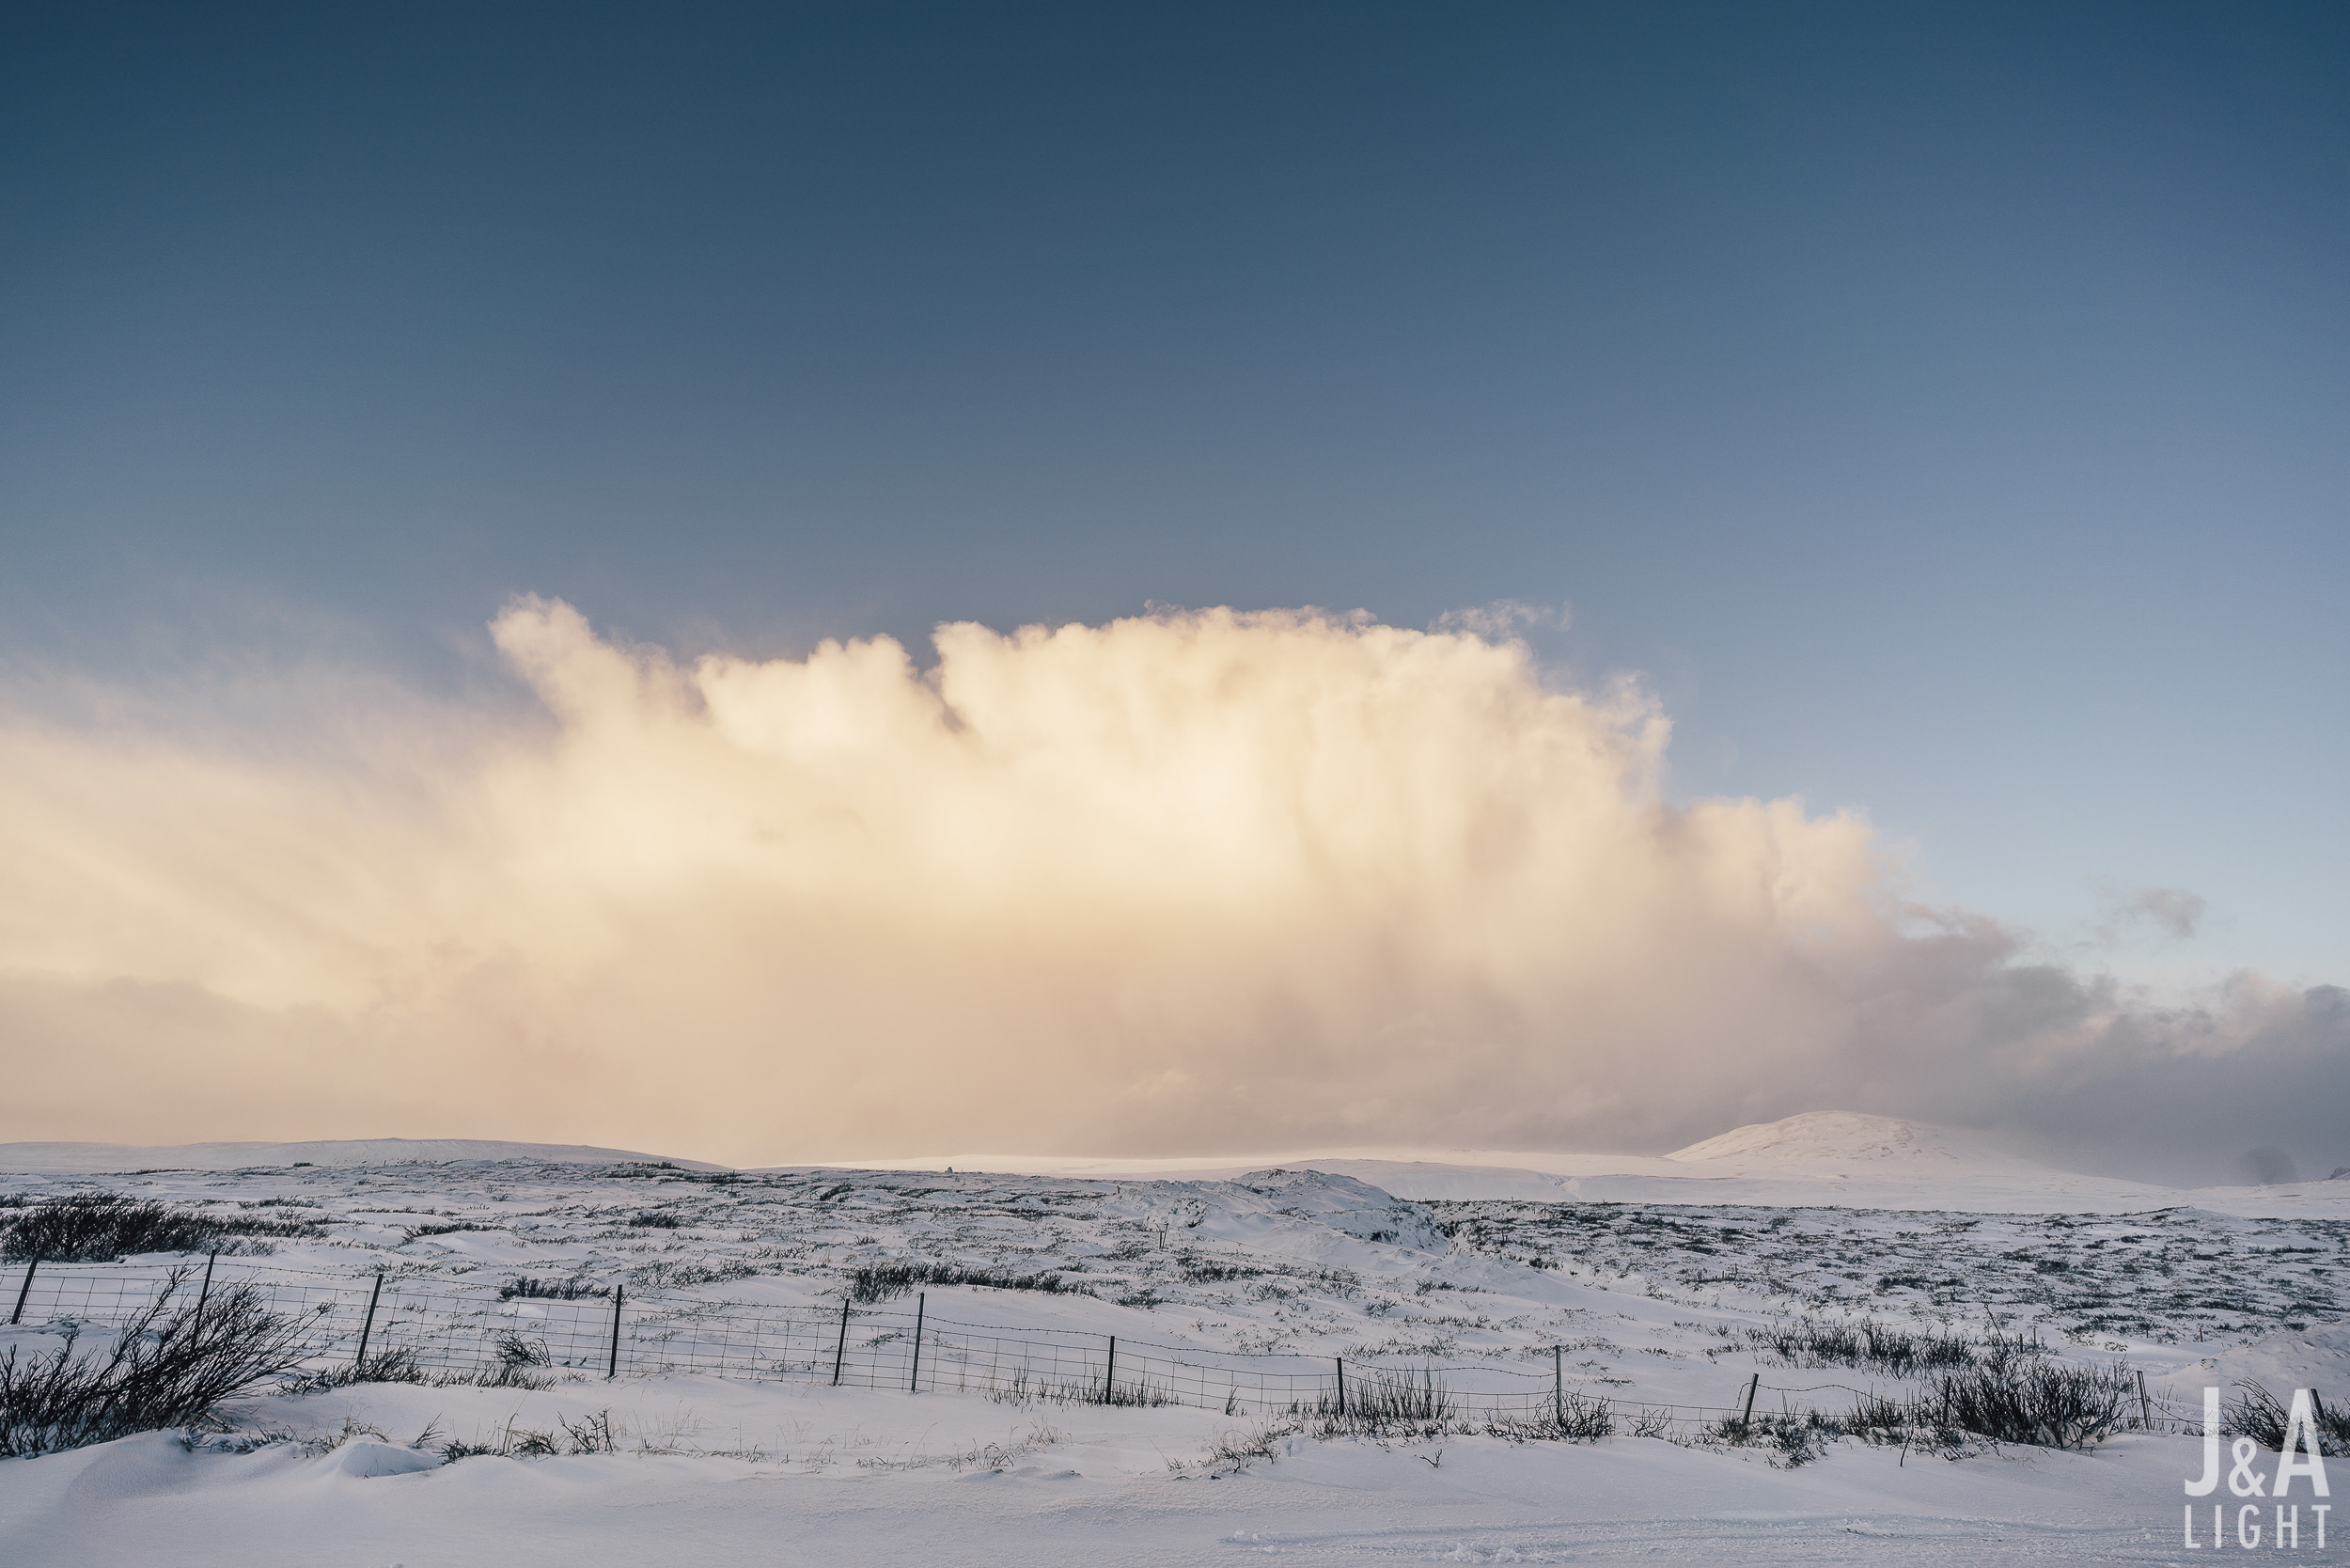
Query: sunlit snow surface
{"points": [[1651, 1297]]}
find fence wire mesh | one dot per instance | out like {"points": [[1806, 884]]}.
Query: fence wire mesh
{"points": [[438, 1325]]}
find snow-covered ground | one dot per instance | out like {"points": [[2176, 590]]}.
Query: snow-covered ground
{"points": [[767, 1475], [1651, 1298]]}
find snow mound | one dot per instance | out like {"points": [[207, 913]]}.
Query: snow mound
{"points": [[1296, 1211], [2317, 1358], [95, 1157], [365, 1461], [1849, 1138], [1342, 1203]]}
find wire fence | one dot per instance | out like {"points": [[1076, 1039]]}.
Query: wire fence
{"points": [[437, 1324]]}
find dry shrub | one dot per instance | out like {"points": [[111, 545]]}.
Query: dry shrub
{"points": [[171, 1366]]}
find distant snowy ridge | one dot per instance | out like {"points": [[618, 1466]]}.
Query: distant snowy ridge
{"points": [[1848, 1138], [1835, 1159], [1841, 1160], [100, 1157]]}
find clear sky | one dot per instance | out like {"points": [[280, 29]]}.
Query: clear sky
{"points": [[1943, 408]]}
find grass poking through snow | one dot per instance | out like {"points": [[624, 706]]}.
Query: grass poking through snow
{"points": [[104, 1226]]}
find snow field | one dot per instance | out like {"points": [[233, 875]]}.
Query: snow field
{"points": [[721, 1473], [1652, 1304]]}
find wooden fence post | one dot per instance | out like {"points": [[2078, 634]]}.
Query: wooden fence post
{"points": [[1559, 1383], [1109, 1372], [1752, 1383], [2145, 1410], [913, 1374], [612, 1363], [203, 1295], [367, 1328], [1341, 1361], [841, 1349], [24, 1290]]}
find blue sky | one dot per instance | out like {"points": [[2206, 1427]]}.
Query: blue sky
{"points": [[1944, 408]]}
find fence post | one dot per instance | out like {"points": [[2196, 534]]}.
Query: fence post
{"points": [[1341, 1360], [203, 1295], [368, 1328], [612, 1365], [1752, 1383], [2145, 1411], [26, 1289], [1559, 1383], [913, 1374], [1109, 1372], [842, 1348]]}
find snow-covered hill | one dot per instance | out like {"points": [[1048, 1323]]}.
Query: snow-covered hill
{"points": [[1822, 1159], [1846, 1139], [1829, 1159]]}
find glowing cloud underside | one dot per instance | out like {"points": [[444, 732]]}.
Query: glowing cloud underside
{"points": [[1186, 883]]}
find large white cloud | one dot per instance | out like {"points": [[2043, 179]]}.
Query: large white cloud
{"points": [[1184, 883]]}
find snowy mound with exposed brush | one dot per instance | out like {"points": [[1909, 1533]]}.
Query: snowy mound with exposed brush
{"points": [[1344, 1204]]}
